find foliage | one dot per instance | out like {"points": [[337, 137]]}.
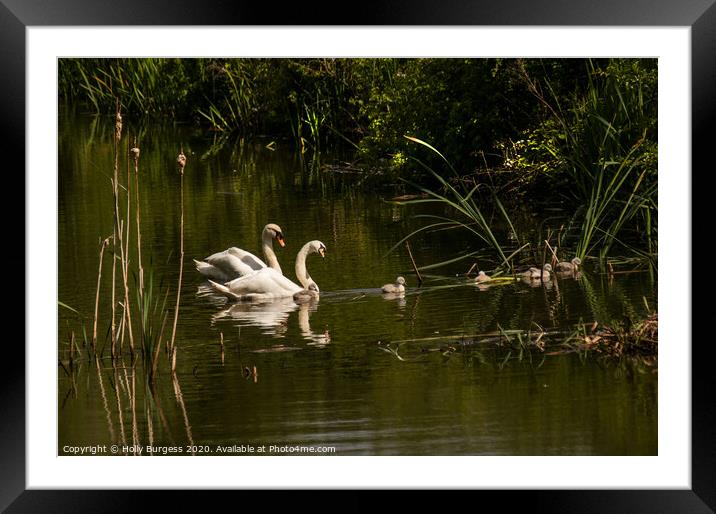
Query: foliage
{"points": [[462, 106], [582, 132], [145, 86], [600, 146], [463, 202]]}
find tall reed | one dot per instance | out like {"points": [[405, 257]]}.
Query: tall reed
{"points": [[142, 302], [462, 200], [181, 161], [115, 233], [235, 109], [104, 245], [119, 240], [607, 142], [146, 85]]}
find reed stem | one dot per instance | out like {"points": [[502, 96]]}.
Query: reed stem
{"points": [[140, 270], [415, 268], [114, 281], [105, 243], [555, 259], [182, 162], [127, 310], [117, 137], [125, 268]]}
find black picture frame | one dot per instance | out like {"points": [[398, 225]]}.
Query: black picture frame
{"points": [[16, 15]]}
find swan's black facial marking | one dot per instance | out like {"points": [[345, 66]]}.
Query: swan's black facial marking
{"points": [[280, 239], [322, 251]]}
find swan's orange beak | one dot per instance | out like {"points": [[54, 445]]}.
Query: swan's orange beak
{"points": [[281, 241], [322, 252]]}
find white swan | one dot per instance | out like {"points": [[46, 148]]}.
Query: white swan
{"points": [[267, 283], [271, 316], [235, 262], [398, 287]]}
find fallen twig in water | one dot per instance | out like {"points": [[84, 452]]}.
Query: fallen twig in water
{"points": [[639, 340]]}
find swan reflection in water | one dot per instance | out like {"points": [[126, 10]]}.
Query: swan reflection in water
{"points": [[304, 313], [272, 317], [399, 297]]}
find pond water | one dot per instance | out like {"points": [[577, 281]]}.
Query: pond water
{"points": [[357, 371]]}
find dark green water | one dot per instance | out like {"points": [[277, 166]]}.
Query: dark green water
{"points": [[333, 373]]}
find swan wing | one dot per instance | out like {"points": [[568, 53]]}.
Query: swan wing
{"points": [[247, 259], [266, 281], [211, 272], [227, 265], [220, 268]]}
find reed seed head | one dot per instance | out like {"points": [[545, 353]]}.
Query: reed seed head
{"points": [[118, 126], [181, 161]]}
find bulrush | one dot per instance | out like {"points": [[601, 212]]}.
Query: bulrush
{"points": [[181, 161], [134, 152]]}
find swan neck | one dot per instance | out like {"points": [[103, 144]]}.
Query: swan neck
{"points": [[301, 272], [267, 247], [303, 321]]}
